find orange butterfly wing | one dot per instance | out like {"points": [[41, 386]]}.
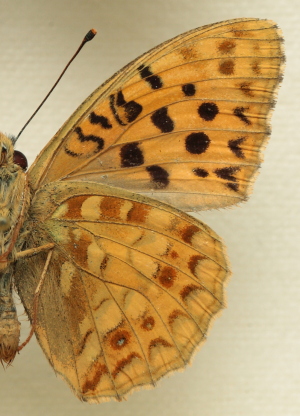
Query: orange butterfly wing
{"points": [[131, 288], [185, 121]]}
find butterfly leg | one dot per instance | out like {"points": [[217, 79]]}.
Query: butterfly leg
{"points": [[36, 295], [33, 251]]}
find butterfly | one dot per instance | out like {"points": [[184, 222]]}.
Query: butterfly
{"points": [[119, 283]]}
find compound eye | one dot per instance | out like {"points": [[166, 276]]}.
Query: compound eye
{"points": [[20, 159]]}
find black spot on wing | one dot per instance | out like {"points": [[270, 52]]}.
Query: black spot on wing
{"points": [[201, 173], [233, 186], [189, 90], [234, 146], [197, 143], [208, 111], [120, 100], [132, 110], [159, 176], [101, 120], [239, 112], [162, 120], [121, 108], [131, 155], [227, 173], [154, 81]]}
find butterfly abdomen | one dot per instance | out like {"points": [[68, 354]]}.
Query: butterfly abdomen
{"points": [[9, 324]]}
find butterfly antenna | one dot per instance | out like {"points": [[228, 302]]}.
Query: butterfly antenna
{"points": [[89, 36]]}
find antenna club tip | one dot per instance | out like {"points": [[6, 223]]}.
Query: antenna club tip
{"points": [[90, 35]]}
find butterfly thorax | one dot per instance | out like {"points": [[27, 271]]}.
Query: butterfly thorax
{"points": [[10, 196], [14, 199]]}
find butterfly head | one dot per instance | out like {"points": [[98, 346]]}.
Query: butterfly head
{"points": [[10, 156]]}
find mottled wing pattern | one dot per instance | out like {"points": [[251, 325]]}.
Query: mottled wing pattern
{"points": [[131, 290], [185, 121]]}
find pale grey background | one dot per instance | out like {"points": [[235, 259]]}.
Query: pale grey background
{"points": [[250, 363]]}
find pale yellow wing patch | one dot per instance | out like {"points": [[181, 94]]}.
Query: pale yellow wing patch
{"points": [[185, 121], [131, 290]]}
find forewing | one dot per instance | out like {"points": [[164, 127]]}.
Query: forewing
{"points": [[131, 288], [185, 122]]}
